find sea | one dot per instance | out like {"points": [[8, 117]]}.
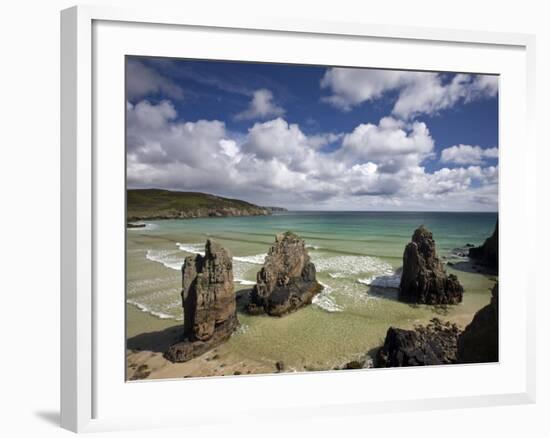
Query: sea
{"points": [[358, 257]]}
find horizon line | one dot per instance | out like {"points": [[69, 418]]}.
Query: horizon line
{"points": [[392, 211], [305, 210]]}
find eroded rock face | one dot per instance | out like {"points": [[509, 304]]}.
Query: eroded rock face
{"points": [[423, 280], [479, 341], [434, 344], [287, 280], [487, 254], [209, 303]]}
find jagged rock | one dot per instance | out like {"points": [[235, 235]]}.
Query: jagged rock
{"points": [[479, 341], [287, 281], [435, 344], [487, 254], [209, 303], [423, 280]]}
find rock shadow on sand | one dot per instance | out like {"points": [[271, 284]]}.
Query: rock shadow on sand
{"points": [[158, 341]]}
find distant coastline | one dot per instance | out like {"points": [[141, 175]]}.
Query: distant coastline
{"points": [[154, 204]]}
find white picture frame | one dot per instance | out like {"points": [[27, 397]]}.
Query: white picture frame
{"points": [[86, 404]]}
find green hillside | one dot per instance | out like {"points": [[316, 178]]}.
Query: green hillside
{"points": [[166, 204]]}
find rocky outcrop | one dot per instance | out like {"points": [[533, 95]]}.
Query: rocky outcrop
{"points": [[423, 280], [487, 254], [479, 341], [275, 209], [209, 303], [193, 213], [132, 225], [434, 344], [286, 281]]}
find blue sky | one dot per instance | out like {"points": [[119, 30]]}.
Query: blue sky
{"points": [[312, 137]]}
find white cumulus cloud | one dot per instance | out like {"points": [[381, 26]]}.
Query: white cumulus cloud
{"points": [[378, 166], [261, 107], [392, 144], [414, 93], [466, 154]]}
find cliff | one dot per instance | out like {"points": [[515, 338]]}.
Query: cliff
{"points": [[487, 254], [479, 341]]}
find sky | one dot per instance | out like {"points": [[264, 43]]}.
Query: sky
{"points": [[313, 137]]}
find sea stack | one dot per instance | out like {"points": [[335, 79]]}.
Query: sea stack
{"points": [[478, 343], [424, 281], [209, 303], [286, 281], [487, 254]]}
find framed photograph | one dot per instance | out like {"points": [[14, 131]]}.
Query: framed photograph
{"points": [[269, 208]]}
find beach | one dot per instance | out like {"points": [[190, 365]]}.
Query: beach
{"points": [[357, 257]]}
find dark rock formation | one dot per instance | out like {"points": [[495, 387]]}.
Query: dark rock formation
{"points": [[487, 254], [435, 344], [479, 341], [208, 301], [132, 225], [423, 280], [287, 281]]}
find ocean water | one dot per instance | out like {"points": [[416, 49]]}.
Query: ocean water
{"points": [[357, 256]]}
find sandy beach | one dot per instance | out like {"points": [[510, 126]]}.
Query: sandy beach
{"points": [[348, 320]]}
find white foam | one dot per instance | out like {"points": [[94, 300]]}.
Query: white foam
{"points": [[313, 247], [192, 248], [242, 329], [366, 281], [342, 266], [257, 259], [244, 282], [147, 227], [150, 311], [325, 301], [170, 259]]}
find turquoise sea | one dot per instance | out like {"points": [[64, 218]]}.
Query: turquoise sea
{"points": [[357, 256]]}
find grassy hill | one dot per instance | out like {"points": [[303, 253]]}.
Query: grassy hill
{"points": [[166, 204]]}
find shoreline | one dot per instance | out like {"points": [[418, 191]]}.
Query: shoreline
{"points": [[145, 349], [314, 338]]}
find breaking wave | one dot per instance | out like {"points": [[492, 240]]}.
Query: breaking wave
{"points": [[343, 266], [257, 259], [170, 259], [315, 247], [192, 248], [325, 300], [150, 311]]}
